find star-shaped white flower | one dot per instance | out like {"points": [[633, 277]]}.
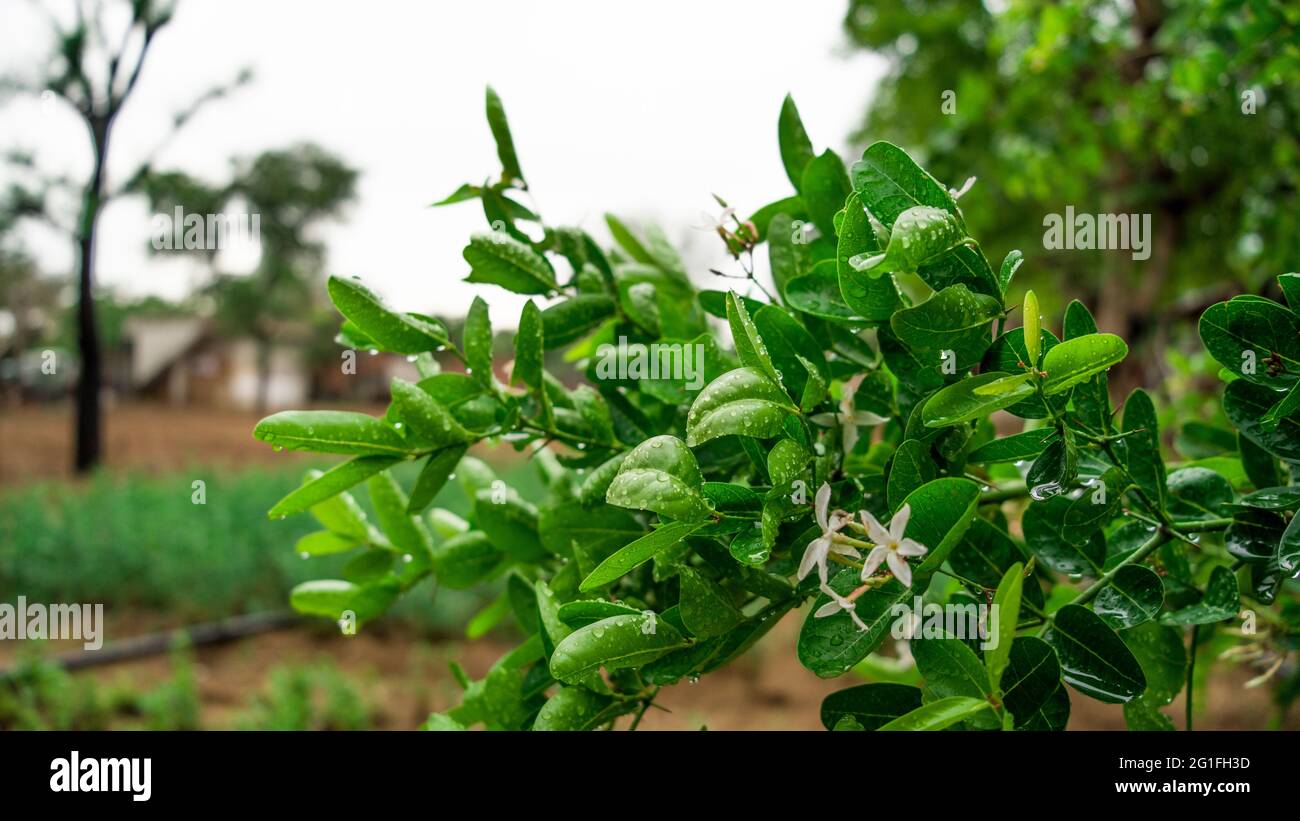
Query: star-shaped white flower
{"points": [[849, 418], [891, 547], [819, 549], [836, 604]]}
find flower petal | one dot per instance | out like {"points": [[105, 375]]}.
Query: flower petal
{"points": [[824, 419], [899, 567], [868, 419], [849, 434], [874, 559], [845, 550], [814, 556], [875, 530], [830, 608], [898, 524], [911, 547], [821, 503]]}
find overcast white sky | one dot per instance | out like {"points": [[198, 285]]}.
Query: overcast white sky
{"points": [[638, 109]]}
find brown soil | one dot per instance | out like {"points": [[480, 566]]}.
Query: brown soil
{"points": [[404, 677]]}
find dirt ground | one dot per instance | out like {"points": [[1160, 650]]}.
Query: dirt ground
{"points": [[405, 677]]}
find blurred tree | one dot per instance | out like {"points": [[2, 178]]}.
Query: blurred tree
{"points": [[95, 67], [290, 191], [1186, 111]]}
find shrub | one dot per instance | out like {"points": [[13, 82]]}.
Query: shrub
{"points": [[843, 453]]}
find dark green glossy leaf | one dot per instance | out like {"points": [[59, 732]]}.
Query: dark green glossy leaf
{"points": [[465, 560], [1031, 678], [496, 117], [871, 705], [1094, 660], [976, 397], [573, 708], [954, 319], [796, 148], [1221, 601], [1246, 404], [1019, 447], [823, 187], [1134, 596], [890, 182], [912, 467]]}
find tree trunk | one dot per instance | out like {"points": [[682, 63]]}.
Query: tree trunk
{"points": [[89, 424]]}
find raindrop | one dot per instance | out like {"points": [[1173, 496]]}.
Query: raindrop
{"points": [[1045, 491]]}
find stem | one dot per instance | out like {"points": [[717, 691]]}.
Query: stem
{"points": [[1202, 525], [569, 437], [1147, 548], [1011, 490], [645, 705]]}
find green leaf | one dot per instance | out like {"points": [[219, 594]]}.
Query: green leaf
{"points": [[529, 346], [743, 402], [890, 182], [1140, 714], [1288, 550], [331, 598], [1134, 596], [1019, 447], [1197, 493], [787, 461], [1007, 601], [1079, 359], [496, 117], [1064, 548], [796, 148], [788, 343], [1221, 601], [323, 543], [1142, 450], [1032, 329], [428, 425], [632, 556], [1054, 470], [938, 715], [954, 319], [465, 560], [566, 321], [330, 483], [831, 646], [406, 532], [330, 432], [1160, 651], [433, 476], [477, 342], [942, 510], [1031, 677], [950, 668], [921, 234], [787, 258], [510, 521], [871, 705], [976, 397], [912, 467], [496, 258], [823, 187], [1092, 397], [660, 475], [573, 708], [706, 609], [1051, 716], [965, 265], [599, 530], [1246, 404], [615, 643], [1094, 660], [749, 345], [390, 330], [875, 298], [819, 294], [1010, 264], [1256, 339]]}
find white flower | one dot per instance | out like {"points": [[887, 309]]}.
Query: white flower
{"points": [[849, 418], [890, 546], [819, 549], [836, 604]]}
